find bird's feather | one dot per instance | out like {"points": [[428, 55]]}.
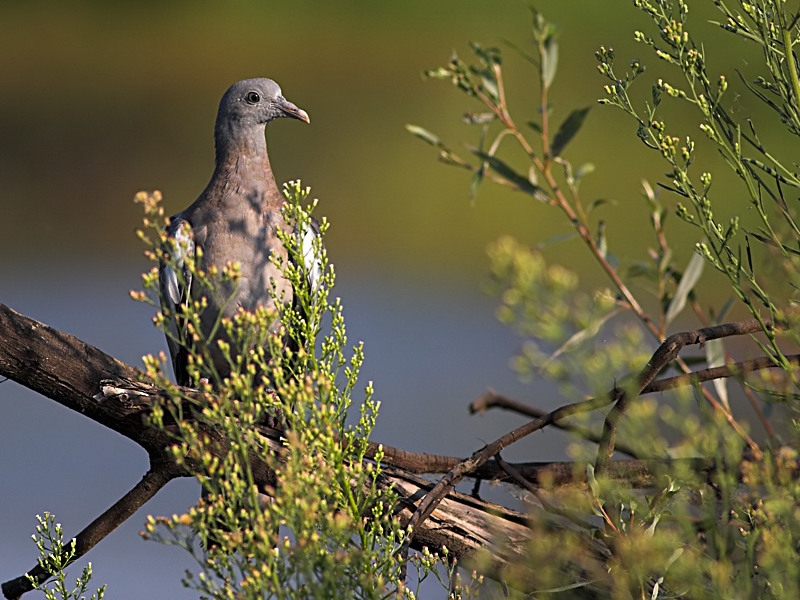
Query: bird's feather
{"points": [[235, 220], [175, 281]]}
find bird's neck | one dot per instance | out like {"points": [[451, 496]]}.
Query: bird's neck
{"points": [[243, 158], [233, 141]]}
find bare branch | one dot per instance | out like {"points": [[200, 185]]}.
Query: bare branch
{"points": [[664, 354], [492, 399], [730, 370], [151, 483], [84, 379], [112, 393]]}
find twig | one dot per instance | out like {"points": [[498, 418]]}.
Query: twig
{"points": [[155, 479], [729, 370], [492, 399], [665, 354], [480, 457], [755, 403], [72, 372], [517, 476], [606, 447]]}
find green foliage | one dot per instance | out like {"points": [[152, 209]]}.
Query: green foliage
{"points": [[54, 556], [559, 322], [695, 517], [444, 569], [710, 521], [326, 528], [765, 175]]}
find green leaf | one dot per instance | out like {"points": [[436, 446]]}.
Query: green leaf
{"points": [[479, 118], [489, 57], [475, 183], [535, 126], [579, 338], [723, 312], [568, 129], [520, 51], [591, 480], [597, 203], [532, 176], [601, 242], [690, 277], [440, 73], [641, 269], [584, 170], [508, 173], [764, 238], [424, 134], [557, 239], [715, 357], [549, 61]]}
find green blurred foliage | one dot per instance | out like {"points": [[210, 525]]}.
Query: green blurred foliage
{"points": [[101, 100]]}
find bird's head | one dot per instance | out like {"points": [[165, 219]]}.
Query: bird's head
{"points": [[256, 102]]}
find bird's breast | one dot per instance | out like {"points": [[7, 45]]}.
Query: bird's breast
{"points": [[251, 241]]}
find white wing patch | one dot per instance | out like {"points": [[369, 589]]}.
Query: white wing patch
{"points": [[175, 281], [181, 243], [311, 260]]}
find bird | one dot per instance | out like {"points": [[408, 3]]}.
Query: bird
{"points": [[235, 219]]}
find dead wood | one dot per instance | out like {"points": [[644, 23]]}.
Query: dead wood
{"points": [[114, 394]]}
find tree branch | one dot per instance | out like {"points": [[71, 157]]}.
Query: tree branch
{"points": [[151, 483], [114, 394], [492, 399], [84, 379], [664, 354]]}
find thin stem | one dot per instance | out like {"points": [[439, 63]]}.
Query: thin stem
{"points": [[790, 64]]}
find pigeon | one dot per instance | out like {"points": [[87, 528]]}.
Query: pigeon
{"points": [[236, 219]]}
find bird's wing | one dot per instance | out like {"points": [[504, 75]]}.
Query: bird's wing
{"points": [[312, 268], [311, 259], [175, 282]]}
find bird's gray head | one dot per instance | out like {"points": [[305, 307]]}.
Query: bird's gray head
{"points": [[245, 109], [255, 102]]}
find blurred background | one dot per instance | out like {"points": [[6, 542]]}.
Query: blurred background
{"points": [[100, 100]]}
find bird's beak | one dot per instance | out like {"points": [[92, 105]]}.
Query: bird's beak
{"points": [[290, 110]]}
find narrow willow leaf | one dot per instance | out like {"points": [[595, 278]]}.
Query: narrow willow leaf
{"points": [[479, 118], [564, 588], [440, 73], [641, 269], [568, 129], [535, 126], [424, 134], [549, 61], [557, 239], [532, 176], [594, 486], [715, 357], [490, 85], [489, 56], [475, 183], [597, 203], [723, 312], [520, 51], [584, 170], [690, 277], [508, 173], [764, 238], [749, 256], [602, 243], [578, 338]]}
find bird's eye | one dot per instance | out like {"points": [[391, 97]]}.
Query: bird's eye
{"points": [[252, 98]]}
